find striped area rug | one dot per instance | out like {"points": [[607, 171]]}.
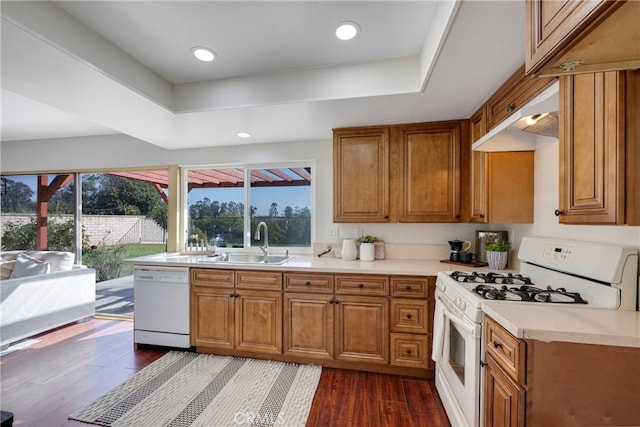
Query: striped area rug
{"points": [[189, 389]]}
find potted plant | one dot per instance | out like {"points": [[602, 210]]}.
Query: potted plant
{"points": [[367, 247], [497, 254]]}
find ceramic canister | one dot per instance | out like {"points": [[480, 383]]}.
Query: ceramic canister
{"points": [[349, 250]]}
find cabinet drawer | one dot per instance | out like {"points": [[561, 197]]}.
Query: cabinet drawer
{"points": [[409, 316], [362, 285], [411, 351], [212, 277], [316, 283], [507, 350], [408, 287], [267, 280]]}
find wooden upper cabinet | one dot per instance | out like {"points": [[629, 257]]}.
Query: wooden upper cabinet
{"points": [[501, 184], [361, 174], [478, 164], [401, 173], [593, 147], [599, 35], [428, 171], [513, 95]]}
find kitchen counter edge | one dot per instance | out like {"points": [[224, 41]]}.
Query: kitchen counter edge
{"points": [[311, 263], [568, 324]]}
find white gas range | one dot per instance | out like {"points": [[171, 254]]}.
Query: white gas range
{"points": [[564, 273]]}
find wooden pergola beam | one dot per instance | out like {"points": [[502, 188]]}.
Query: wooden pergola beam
{"points": [[44, 193]]}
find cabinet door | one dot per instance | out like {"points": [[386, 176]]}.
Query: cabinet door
{"points": [[258, 321], [510, 187], [478, 182], [504, 400], [595, 35], [428, 171], [309, 325], [212, 318], [592, 120], [361, 175], [362, 329]]}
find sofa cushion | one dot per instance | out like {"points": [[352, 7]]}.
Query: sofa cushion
{"points": [[6, 267], [29, 266], [58, 260]]}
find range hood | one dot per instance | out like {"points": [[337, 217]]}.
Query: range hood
{"points": [[521, 131]]}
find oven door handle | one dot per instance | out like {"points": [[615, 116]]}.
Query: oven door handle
{"points": [[468, 327]]}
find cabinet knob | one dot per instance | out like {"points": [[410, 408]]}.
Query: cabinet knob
{"points": [[232, 295], [308, 283], [332, 301], [557, 212], [496, 344], [511, 107], [386, 217], [483, 363], [361, 285], [408, 351], [336, 301], [481, 215], [408, 316], [408, 288]]}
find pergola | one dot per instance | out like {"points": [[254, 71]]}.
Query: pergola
{"points": [[201, 178]]}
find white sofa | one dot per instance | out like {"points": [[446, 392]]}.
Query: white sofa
{"points": [[34, 304]]}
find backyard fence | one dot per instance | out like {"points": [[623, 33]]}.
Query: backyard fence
{"points": [[104, 229]]}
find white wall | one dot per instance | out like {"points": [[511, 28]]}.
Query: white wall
{"points": [[118, 151]]}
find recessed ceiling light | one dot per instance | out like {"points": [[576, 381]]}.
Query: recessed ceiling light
{"points": [[347, 30], [243, 135], [203, 53]]}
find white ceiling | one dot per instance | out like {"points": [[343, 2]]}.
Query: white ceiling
{"points": [[92, 67]]}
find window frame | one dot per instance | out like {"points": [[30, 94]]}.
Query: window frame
{"points": [[247, 238]]}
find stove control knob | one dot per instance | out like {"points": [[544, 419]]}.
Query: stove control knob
{"points": [[462, 305], [441, 286]]}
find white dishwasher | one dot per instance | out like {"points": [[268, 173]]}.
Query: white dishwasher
{"points": [[161, 306]]}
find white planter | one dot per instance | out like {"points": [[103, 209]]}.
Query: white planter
{"points": [[367, 251], [497, 260]]}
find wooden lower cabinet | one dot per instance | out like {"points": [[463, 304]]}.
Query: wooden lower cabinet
{"points": [[308, 325], [362, 329], [351, 321], [258, 321], [212, 318], [536, 383], [503, 397], [227, 318], [244, 320]]}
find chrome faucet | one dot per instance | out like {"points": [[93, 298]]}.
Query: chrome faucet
{"points": [[264, 248]]}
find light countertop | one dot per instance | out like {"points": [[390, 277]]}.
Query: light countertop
{"points": [[568, 324], [527, 321], [312, 263]]}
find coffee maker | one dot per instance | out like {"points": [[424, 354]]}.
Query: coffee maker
{"points": [[458, 246]]}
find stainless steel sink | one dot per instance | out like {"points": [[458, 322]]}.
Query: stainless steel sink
{"points": [[239, 258]]}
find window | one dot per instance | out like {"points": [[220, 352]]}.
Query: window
{"points": [[278, 195]]}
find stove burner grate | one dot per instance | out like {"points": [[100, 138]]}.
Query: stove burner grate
{"points": [[490, 277], [529, 293]]}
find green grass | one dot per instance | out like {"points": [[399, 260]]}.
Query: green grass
{"points": [[139, 249], [142, 249]]}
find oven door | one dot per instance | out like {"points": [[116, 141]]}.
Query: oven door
{"points": [[458, 367]]}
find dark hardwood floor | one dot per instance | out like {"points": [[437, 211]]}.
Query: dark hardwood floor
{"points": [[72, 366]]}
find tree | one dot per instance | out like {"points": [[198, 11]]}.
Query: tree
{"points": [[273, 210], [114, 195], [18, 197]]}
